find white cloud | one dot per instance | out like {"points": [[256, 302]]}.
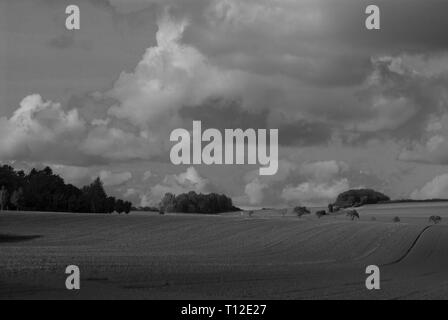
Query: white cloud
{"points": [[130, 192], [254, 191], [313, 193], [184, 182], [169, 76], [323, 183], [115, 144], [435, 189], [434, 147], [40, 130], [72, 174]]}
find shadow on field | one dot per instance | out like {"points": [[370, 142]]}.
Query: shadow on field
{"points": [[8, 238]]}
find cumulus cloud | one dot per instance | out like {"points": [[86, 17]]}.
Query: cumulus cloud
{"points": [[182, 71], [313, 193], [72, 174], [435, 189], [115, 144], [399, 96], [40, 130], [322, 182], [308, 183], [111, 179], [254, 191], [323, 170], [434, 145], [168, 77]]}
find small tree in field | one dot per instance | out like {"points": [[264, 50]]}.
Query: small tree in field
{"points": [[321, 214], [435, 219], [397, 219], [353, 214]]}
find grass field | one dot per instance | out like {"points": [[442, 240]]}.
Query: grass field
{"points": [[266, 256]]}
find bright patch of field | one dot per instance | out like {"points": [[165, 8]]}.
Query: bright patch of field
{"points": [[266, 256]]}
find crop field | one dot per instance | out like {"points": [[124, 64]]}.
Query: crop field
{"points": [[263, 256]]}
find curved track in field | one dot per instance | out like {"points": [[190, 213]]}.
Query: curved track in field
{"points": [[141, 256]]}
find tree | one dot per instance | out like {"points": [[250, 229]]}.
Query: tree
{"points": [[397, 219], [3, 198], [321, 213], [96, 196], [168, 203], [127, 207], [120, 206], [110, 204], [17, 199]]}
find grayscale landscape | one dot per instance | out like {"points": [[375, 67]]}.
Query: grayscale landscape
{"points": [[224, 149]]}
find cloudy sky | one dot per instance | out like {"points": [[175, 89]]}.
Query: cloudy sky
{"points": [[354, 108]]}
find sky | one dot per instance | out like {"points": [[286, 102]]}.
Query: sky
{"points": [[354, 108]]}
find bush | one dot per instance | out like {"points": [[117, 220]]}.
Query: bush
{"points": [[397, 219], [435, 219]]}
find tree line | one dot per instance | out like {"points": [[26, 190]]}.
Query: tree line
{"points": [[42, 190]]}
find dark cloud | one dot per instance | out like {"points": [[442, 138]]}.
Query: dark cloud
{"points": [[305, 133], [222, 114]]}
